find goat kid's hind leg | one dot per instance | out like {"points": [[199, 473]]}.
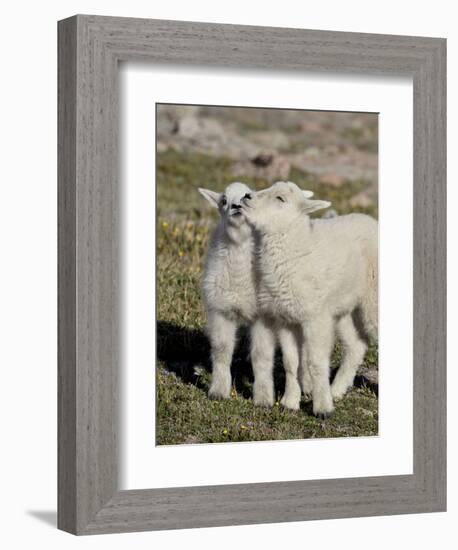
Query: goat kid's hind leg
{"points": [[354, 350], [319, 338], [221, 332], [262, 360], [290, 352]]}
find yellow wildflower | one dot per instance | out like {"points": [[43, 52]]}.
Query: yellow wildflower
{"points": [[165, 225]]}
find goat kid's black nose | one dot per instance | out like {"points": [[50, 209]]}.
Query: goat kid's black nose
{"points": [[236, 206]]}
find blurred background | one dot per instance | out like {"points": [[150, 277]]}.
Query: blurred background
{"points": [[333, 154]]}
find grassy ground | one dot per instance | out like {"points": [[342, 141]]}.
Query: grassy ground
{"points": [[184, 413]]}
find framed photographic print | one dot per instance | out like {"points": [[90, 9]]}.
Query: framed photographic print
{"points": [[251, 275]]}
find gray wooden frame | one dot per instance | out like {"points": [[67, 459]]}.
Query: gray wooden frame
{"points": [[90, 48]]}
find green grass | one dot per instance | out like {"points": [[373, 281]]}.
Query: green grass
{"points": [[180, 174], [187, 416], [184, 413]]}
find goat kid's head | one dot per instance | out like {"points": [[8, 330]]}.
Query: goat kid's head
{"points": [[229, 203], [276, 208]]}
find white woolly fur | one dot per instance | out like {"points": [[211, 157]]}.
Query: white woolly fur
{"points": [[315, 277], [229, 292]]}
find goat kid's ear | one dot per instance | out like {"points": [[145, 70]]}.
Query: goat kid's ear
{"points": [[307, 194], [313, 206], [211, 196]]}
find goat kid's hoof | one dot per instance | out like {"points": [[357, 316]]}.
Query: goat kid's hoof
{"points": [[338, 395], [263, 401], [323, 410], [323, 416], [323, 406], [218, 394], [338, 392], [263, 395], [290, 403]]}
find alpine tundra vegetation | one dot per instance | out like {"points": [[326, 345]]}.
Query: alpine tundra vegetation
{"points": [[333, 154]]}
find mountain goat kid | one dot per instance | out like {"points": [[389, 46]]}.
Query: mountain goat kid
{"points": [[315, 274], [229, 292]]}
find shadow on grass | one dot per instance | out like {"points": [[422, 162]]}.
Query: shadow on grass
{"points": [[186, 353]]}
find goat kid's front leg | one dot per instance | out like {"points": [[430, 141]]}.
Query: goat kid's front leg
{"points": [[290, 352], [262, 360], [319, 338], [221, 332]]}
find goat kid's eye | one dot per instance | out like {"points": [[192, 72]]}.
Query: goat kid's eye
{"points": [[223, 202], [247, 196], [281, 199]]}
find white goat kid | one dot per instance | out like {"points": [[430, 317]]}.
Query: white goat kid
{"points": [[228, 282], [315, 274], [229, 292]]}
